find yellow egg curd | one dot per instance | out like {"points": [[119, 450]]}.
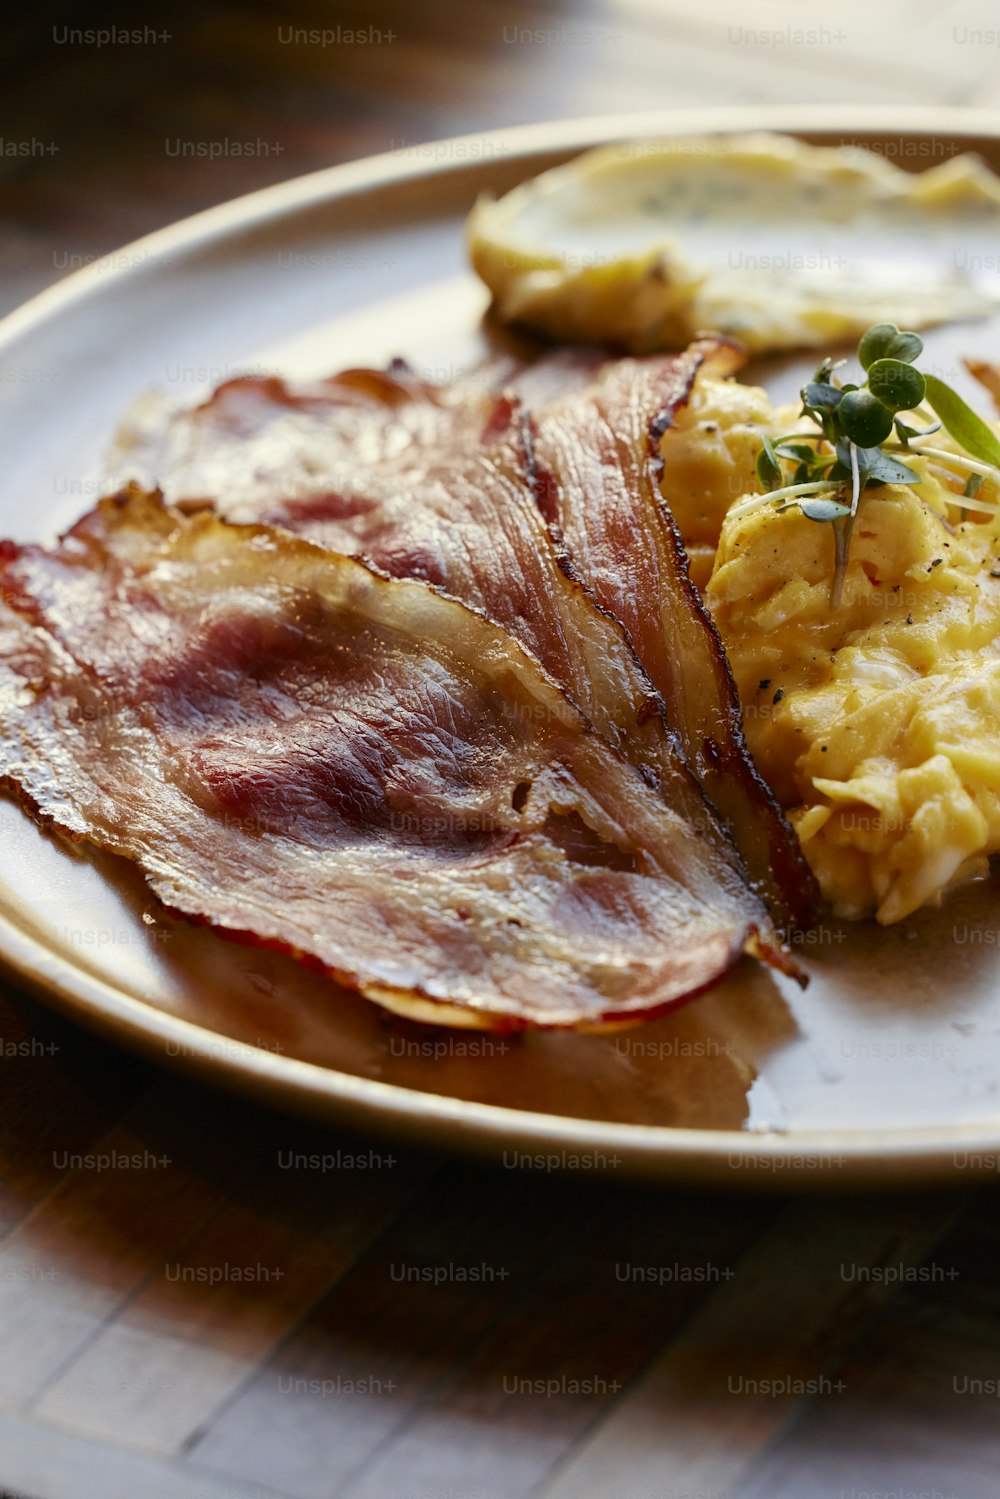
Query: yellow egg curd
{"points": [[876, 721]]}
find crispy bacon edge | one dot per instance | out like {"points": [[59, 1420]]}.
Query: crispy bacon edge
{"points": [[721, 761], [412, 1003]]}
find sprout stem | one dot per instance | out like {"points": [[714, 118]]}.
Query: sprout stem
{"points": [[746, 507], [968, 465], [855, 479]]}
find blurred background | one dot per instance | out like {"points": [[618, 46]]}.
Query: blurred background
{"points": [[108, 118]]}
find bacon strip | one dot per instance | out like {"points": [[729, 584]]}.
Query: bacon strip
{"points": [[434, 484], [439, 482], [354, 769], [598, 469]]}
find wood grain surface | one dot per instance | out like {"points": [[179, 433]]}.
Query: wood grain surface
{"points": [[202, 1300]]}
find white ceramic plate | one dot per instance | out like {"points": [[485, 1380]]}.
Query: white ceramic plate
{"points": [[888, 1067]]}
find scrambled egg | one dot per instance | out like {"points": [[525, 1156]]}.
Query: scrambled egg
{"points": [[708, 462], [877, 723]]}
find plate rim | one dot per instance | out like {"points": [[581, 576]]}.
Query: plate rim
{"points": [[827, 1158], [824, 1158]]}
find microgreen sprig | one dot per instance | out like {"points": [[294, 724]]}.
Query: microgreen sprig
{"points": [[827, 470]]}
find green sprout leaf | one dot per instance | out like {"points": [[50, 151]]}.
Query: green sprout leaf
{"points": [[768, 467], [885, 341], [904, 433], [817, 395], [880, 468], [876, 342], [908, 347], [802, 453], [897, 385], [823, 510], [968, 429], [874, 466], [820, 400], [863, 419], [824, 374]]}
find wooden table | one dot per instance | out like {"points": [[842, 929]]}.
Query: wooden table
{"points": [[189, 1312]]}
